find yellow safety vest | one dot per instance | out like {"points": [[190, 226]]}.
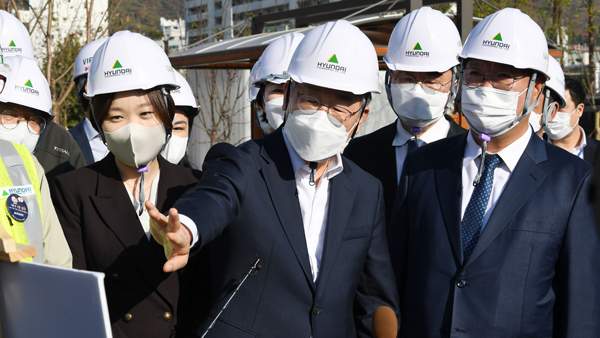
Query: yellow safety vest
{"points": [[18, 175]]}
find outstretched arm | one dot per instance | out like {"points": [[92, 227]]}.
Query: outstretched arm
{"points": [[172, 235]]}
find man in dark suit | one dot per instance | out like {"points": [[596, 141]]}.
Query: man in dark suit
{"points": [[509, 248], [421, 89], [314, 219], [87, 138], [564, 130]]}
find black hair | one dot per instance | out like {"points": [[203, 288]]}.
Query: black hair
{"points": [[576, 90]]}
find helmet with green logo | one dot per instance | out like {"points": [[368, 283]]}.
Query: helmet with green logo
{"points": [[425, 40], [275, 60], [336, 55], [509, 37], [14, 37], [129, 61], [27, 86]]}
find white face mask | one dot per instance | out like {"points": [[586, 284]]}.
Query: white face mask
{"points": [[175, 149], [535, 121], [136, 145], [489, 110], [274, 112], [264, 126], [315, 137], [560, 126], [19, 135], [416, 107]]}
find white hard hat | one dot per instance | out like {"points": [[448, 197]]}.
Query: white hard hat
{"points": [[253, 91], [14, 37], [84, 58], [128, 61], [509, 37], [336, 55], [183, 96], [26, 85], [557, 82], [425, 40], [275, 60]]}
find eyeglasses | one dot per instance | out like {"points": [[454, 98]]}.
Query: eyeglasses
{"points": [[338, 114], [430, 86], [474, 78], [10, 119]]}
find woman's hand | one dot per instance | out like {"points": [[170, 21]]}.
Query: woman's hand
{"points": [[172, 235]]}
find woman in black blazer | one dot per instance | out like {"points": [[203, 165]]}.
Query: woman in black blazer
{"points": [[101, 206]]}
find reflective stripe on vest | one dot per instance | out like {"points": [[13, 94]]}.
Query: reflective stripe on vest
{"points": [[17, 168]]}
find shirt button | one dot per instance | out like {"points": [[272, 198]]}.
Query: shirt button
{"points": [[316, 310], [127, 318], [461, 283], [167, 316]]}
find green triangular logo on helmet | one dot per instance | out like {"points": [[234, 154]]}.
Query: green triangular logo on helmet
{"points": [[498, 37], [417, 47], [28, 84], [117, 65], [333, 59], [12, 44], [4, 193]]}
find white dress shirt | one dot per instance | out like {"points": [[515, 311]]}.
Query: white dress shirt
{"points": [[145, 217], [437, 132], [314, 205], [509, 155], [98, 147]]}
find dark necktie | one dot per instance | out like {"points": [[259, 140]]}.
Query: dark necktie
{"points": [[473, 218], [414, 144]]}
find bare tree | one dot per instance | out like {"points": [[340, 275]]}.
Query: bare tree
{"points": [[220, 93]]}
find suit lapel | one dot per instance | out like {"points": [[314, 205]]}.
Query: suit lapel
{"points": [[448, 178], [341, 201], [280, 180], [523, 182], [114, 207]]}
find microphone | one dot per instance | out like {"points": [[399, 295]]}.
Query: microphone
{"points": [[384, 323], [253, 270]]}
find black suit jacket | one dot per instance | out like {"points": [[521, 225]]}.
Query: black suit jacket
{"points": [[375, 154], [105, 234], [535, 270], [591, 149], [78, 133], [250, 210]]}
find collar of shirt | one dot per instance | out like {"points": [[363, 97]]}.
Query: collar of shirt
{"points": [[90, 132], [509, 155], [437, 132], [335, 166], [578, 150]]}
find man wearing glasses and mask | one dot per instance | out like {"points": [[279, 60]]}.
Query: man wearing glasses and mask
{"points": [[314, 219], [492, 232], [421, 87], [29, 215]]}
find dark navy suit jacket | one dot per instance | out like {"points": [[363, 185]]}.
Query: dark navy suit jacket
{"points": [[375, 154], [590, 150], [246, 207], [78, 133], [535, 270]]}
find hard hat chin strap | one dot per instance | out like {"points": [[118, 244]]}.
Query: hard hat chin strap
{"points": [[165, 94], [453, 91], [546, 112], [95, 122]]}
